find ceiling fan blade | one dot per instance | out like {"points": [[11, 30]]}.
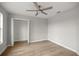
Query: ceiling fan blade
{"points": [[58, 12], [36, 4], [32, 10], [47, 8], [44, 13], [36, 13]]}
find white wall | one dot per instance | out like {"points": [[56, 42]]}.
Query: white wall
{"points": [[20, 30], [38, 28], [4, 44], [62, 29]]}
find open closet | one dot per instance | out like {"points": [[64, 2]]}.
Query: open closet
{"points": [[19, 30]]}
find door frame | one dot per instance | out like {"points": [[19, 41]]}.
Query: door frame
{"points": [[12, 29]]}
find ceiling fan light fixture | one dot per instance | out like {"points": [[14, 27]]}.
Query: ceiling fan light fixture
{"points": [[39, 9]]}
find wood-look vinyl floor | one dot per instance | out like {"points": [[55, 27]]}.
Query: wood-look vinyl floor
{"points": [[42, 48]]}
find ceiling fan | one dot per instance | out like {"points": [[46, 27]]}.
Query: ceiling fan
{"points": [[38, 8]]}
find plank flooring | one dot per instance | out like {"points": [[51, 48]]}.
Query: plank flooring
{"points": [[42, 48]]}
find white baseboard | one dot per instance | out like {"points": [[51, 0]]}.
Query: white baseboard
{"points": [[37, 40], [64, 46], [19, 40], [3, 50]]}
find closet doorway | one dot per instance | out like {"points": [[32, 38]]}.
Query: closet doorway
{"points": [[19, 30]]}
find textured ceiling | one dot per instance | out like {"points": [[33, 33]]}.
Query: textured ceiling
{"points": [[20, 7]]}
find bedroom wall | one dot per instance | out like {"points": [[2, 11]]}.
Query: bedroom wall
{"points": [[63, 29], [38, 28], [4, 44]]}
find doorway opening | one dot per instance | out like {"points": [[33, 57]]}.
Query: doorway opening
{"points": [[19, 30]]}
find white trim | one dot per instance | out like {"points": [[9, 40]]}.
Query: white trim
{"points": [[21, 19], [19, 40], [12, 33], [37, 40], [29, 32], [64, 46], [3, 50], [9, 45], [1, 28]]}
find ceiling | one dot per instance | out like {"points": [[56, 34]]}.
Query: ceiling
{"points": [[21, 7]]}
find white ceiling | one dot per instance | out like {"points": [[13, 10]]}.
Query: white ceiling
{"points": [[20, 7]]}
